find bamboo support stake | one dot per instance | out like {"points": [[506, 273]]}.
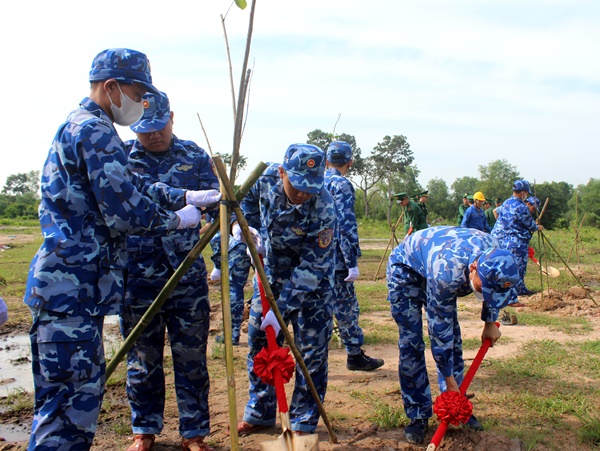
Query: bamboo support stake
{"points": [[540, 244], [271, 298], [392, 239], [224, 215], [176, 277]]}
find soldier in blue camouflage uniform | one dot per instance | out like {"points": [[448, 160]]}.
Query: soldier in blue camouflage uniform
{"points": [[239, 270], [474, 216], [429, 270], [345, 304], [89, 202], [295, 213], [514, 228], [157, 155]]}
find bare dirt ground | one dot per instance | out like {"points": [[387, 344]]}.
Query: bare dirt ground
{"points": [[345, 401]]}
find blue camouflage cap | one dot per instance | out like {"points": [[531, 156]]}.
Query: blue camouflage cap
{"points": [[499, 274], [339, 152], [157, 112], [129, 66], [305, 167], [521, 185], [534, 201]]}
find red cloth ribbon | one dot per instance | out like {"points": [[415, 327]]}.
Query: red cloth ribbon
{"points": [[530, 252], [266, 361], [453, 408]]}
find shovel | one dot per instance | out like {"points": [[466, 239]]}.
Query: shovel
{"points": [[443, 427], [287, 441], [549, 271]]}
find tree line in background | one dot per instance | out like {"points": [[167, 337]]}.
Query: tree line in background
{"points": [[389, 169]]}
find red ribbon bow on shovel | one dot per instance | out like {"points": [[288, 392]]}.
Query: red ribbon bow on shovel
{"points": [[452, 407]]}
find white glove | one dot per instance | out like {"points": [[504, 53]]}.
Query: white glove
{"points": [[189, 216], [352, 274], [270, 320], [202, 198], [236, 231], [215, 275], [3, 312]]}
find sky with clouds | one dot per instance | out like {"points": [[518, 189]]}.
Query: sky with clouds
{"points": [[467, 82]]}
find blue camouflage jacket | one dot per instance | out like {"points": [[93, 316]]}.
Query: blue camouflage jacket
{"points": [[299, 240], [514, 223], [347, 246], [152, 259], [89, 202], [442, 255]]}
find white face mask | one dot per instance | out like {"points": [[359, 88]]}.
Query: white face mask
{"points": [[478, 294], [130, 111]]}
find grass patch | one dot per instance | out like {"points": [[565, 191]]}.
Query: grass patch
{"points": [[380, 333], [571, 325], [387, 416], [589, 432], [543, 387], [17, 400]]}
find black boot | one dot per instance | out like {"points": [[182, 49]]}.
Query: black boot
{"points": [[362, 362], [415, 432], [474, 424]]}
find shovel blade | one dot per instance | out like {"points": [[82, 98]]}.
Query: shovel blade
{"points": [[291, 442]]}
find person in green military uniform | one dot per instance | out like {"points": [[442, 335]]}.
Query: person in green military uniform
{"points": [[489, 213], [422, 203], [462, 208], [414, 219]]}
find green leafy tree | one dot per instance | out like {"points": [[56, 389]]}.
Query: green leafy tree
{"points": [[461, 186], [392, 157], [363, 172], [559, 194], [496, 179], [438, 203], [588, 202], [22, 183], [24, 206]]}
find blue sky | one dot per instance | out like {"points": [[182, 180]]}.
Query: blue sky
{"points": [[467, 82]]}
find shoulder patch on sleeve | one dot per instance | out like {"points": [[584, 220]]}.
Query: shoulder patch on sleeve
{"points": [[325, 237]]}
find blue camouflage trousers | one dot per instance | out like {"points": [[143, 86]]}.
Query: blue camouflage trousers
{"points": [[408, 298], [68, 366], [185, 316], [346, 311], [519, 249], [239, 269], [312, 327]]}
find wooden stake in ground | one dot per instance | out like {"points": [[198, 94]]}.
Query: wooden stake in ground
{"points": [[393, 239]]}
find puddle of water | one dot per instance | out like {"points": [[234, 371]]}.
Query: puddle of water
{"points": [[15, 359], [14, 432], [15, 364]]}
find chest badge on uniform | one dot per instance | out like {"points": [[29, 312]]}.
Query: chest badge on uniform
{"points": [[298, 231], [184, 167], [146, 104], [325, 238]]}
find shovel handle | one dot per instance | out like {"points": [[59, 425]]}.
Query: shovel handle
{"points": [[443, 427], [272, 344]]}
